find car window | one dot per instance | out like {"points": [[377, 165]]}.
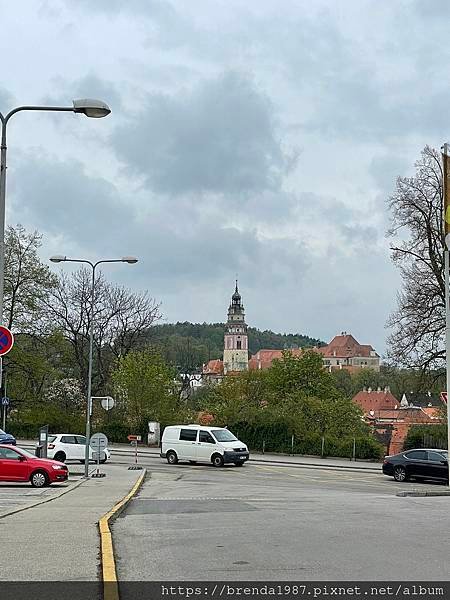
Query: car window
{"points": [[81, 439], [68, 439], [416, 455], [436, 457], [8, 454], [188, 435], [206, 437], [2, 432], [223, 435]]}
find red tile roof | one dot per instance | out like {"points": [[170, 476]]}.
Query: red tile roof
{"points": [[213, 367], [263, 358], [345, 346], [376, 400]]}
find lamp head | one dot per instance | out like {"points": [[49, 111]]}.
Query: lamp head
{"points": [[58, 258], [131, 260], [91, 108]]}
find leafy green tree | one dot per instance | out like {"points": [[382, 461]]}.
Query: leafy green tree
{"points": [[303, 373], [28, 281], [145, 389]]}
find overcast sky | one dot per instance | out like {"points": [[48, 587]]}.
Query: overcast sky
{"points": [[255, 137]]}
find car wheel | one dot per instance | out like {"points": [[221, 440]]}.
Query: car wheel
{"points": [[172, 458], [39, 479], [60, 457], [217, 460], [239, 464], [400, 473]]}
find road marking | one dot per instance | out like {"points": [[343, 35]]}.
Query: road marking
{"points": [[109, 571]]}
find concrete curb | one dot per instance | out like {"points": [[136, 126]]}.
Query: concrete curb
{"points": [[423, 493], [72, 487], [108, 562]]}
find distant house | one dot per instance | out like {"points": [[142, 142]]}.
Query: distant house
{"points": [[344, 352], [371, 400], [391, 419], [263, 358]]}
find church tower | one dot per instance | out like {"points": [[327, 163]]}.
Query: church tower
{"points": [[235, 350]]}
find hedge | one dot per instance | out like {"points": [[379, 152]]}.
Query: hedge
{"points": [[278, 438]]}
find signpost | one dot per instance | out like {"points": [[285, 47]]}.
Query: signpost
{"points": [[5, 404], [98, 443], [134, 439]]}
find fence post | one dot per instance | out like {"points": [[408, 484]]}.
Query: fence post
{"points": [[292, 445], [323, 446], [264, 445], [354, 448]]}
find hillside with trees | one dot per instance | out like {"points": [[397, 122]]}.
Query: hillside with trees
{"points": [[188, 345]]}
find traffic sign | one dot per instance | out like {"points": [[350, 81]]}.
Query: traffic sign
{"points": [[5, 401], [98, 441], [6, 340], [444, 397], [134, 438], [107, 402]]}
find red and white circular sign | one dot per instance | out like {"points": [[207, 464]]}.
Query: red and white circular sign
{"points": [[6, 340]]}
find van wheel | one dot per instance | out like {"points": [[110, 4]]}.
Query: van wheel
{"points": [[172, 458], [60, 457], [217, 460]]}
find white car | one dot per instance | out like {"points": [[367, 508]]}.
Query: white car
{"points": [[197, 443], [69, 446]]}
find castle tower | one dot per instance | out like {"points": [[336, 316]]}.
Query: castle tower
{"points": [[235, 350]]}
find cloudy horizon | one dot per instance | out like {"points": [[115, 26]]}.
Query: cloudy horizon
{"points": [[253, 139]]}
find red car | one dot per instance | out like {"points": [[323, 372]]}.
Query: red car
{"points": [[19, 465]]}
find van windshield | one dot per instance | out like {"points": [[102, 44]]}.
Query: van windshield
{"points": [[223, 435]]}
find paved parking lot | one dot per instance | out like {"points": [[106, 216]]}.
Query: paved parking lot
{"points": [[17, 495], [268, 523]]}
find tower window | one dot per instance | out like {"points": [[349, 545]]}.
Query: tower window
{"points": [[239, 344]]}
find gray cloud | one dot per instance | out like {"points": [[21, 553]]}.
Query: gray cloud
{"points": [[220, 138]]}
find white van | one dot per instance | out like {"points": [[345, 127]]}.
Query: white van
{"points": [[196, 443]]}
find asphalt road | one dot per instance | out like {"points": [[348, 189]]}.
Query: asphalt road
{"points": [[279, 523]]}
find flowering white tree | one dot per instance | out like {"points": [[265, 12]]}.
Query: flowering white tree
{"points": [[66, 394]]}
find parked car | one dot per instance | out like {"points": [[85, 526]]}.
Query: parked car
{"points": [[7, 438], [17, 464], [69, 446], [196, 443], [422, 463]]}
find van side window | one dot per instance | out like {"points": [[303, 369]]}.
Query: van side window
{"points": [[188, 435], [205, 437]]}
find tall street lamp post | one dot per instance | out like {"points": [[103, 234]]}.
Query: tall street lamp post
{"points": [[88, 107], [57, 259]]}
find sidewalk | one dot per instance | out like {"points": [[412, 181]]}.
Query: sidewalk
{"points": [[59, 540]]}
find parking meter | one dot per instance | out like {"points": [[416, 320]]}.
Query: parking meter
{"points": [[43, 441]]}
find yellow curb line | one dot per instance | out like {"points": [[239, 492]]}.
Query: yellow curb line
{"points": [[109, 572]]}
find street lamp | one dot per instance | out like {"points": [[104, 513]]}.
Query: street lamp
{"points": [[91, 108], [131, 260]]}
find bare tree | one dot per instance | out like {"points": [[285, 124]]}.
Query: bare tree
{"points": [[418, 322], [120, 315]]}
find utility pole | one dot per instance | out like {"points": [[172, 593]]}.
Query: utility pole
{"points": [[446, 220]]}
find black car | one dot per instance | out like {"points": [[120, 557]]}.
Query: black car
{"points": [[417, 464]]}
